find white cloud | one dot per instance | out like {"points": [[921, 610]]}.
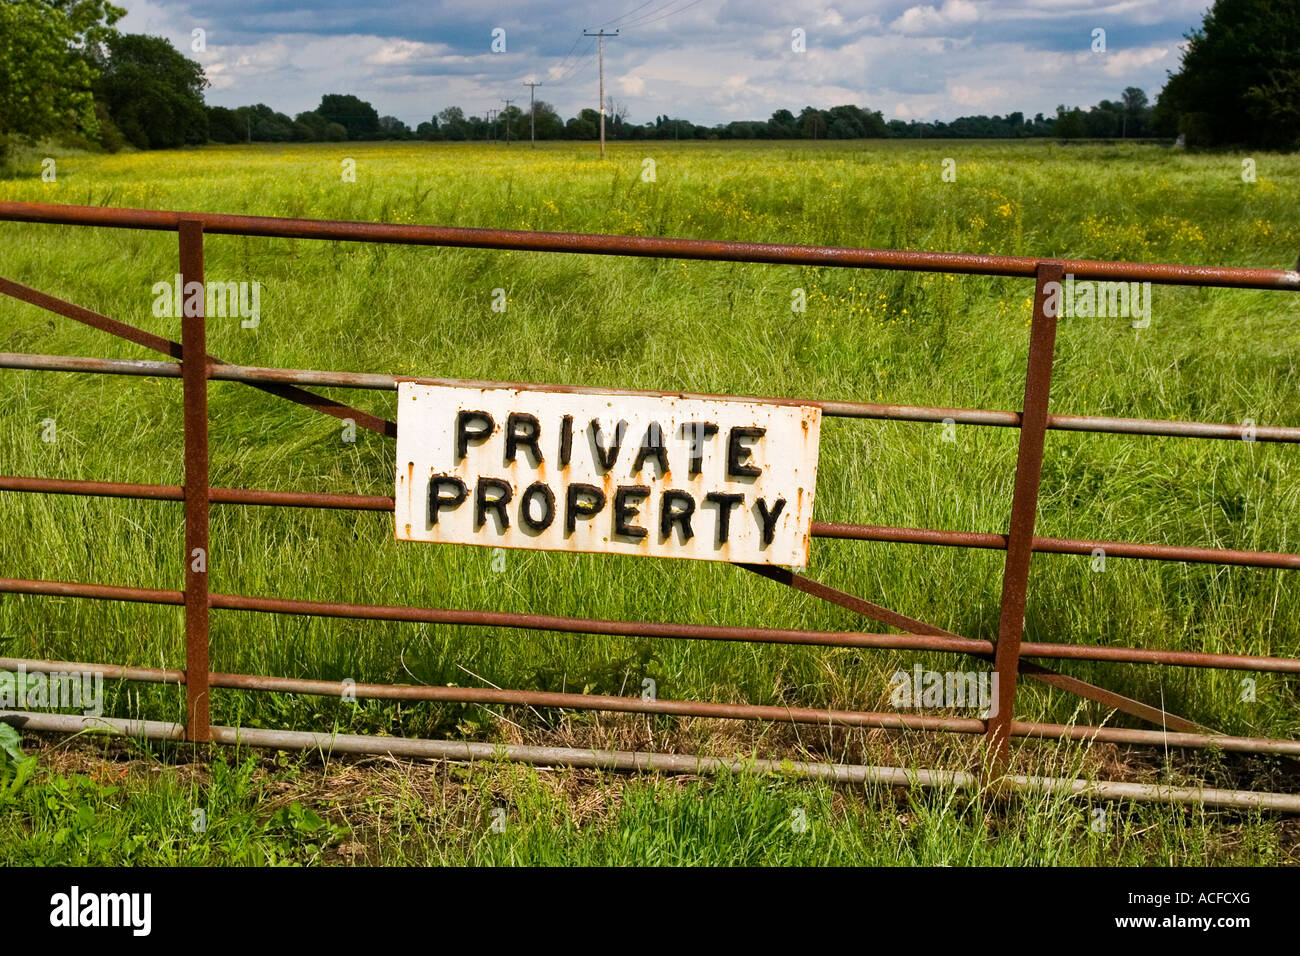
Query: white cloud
{"points": [[929, 20]]}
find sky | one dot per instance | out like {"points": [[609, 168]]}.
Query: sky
{"points": [[710, 61]]}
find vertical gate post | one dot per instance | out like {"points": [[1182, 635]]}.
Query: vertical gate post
{"points": [[194, 380], [1024, 508]]}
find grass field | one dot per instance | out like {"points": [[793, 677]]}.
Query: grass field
{"points": [[1210, 355]]}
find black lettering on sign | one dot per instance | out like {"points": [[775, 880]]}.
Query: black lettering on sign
{"points": [[698, 433], [581, 501], [566, 440], [605, 457], [725, 503], [438, 500], [626, 499], [767, 519], [738, 454], [523, 430], [465, 434], [534, 491], [652, 446], [483, 503], [676, 508]]}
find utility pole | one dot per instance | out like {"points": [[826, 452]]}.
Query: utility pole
{"points": [[532, 112], [601, 46], [505, 113]]}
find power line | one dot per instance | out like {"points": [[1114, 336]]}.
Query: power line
{"points": [[630, 12], [584, 59], [642, 20], [565, 59]]}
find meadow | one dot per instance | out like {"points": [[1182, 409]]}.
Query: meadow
{"points": [[1208, 355]]}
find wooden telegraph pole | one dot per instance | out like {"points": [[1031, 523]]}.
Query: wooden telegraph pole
{"points": [[532, 112], [601, 46]]}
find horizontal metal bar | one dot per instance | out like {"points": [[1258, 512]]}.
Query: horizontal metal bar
{"points": [[643, 761], [575, 625], [1112, 549], [526, 698], [221, 496], [681, 708], [820, 529], [1141, 655], [601, 702], [544, 622], [835, 409], [645, 246], [1156, 738]]}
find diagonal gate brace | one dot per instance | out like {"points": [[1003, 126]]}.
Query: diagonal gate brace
{"points": [[1073, 685], [293, 393]]}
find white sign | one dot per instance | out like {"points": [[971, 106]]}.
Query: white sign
{"points": [[716, 480]]}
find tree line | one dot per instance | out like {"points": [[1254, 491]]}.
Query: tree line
{"points": [[66, 71]]}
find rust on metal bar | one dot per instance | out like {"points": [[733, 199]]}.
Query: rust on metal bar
{"points": [[1142, 655], [194, 377], [573, 701], [646, 246], [1024, 508], [571, 625], [1113, 549], [217, 496], [919, 642]]}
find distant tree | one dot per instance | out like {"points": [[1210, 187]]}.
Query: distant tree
{"points": [[1104, 121], [513, 121], [225, 125], [781, 125], [355, 115], [265, 124], [152, 92], [812, 123], [390, 127], [454, 125], [47, 70], [309, 127], [547, 122], [1069, 123], [1239, 81], [586, 125], [335, 132]]}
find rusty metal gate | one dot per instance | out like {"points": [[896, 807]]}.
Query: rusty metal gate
{"points": [[1011, 656]]}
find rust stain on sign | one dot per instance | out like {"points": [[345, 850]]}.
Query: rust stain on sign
{"points": [[710, 479]]}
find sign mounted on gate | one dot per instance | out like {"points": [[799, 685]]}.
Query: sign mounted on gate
{"points": [[672, 477]]}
